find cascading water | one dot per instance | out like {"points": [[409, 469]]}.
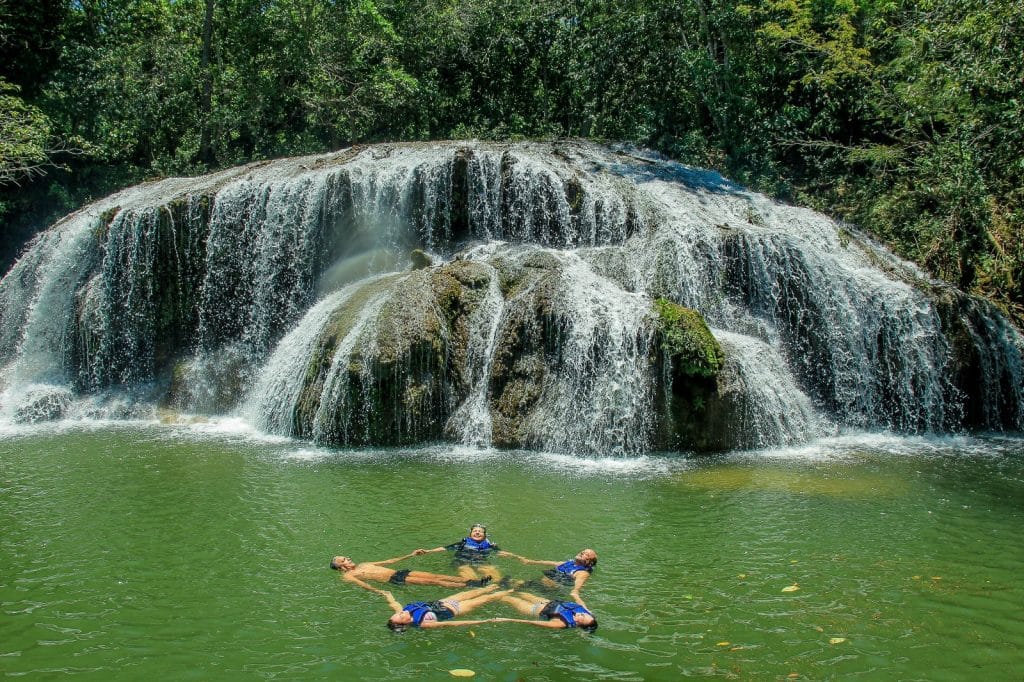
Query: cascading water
{"points": [[471, 422], [565, 297], [600, 396]]}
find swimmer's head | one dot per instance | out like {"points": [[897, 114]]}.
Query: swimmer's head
{"points": [[585, 621], [587, 557], [400, 621], [478, 531], [342, 563]]}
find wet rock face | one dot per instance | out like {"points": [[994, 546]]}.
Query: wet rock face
{"points": [[387, 367], [527, 338]]}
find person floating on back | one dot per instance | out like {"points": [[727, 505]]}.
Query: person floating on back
{"points": [[471, 553], [575, 572], [442, 612], [549, 614], [378, 571]]}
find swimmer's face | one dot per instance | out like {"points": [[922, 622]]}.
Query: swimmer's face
{"points": [[343, 563], [478, 533], [587, 557], [583, 619]]}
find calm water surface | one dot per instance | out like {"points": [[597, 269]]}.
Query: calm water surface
{"points": [[173, 553]]}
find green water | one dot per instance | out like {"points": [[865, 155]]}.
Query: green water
{"points": [[157, 553]]}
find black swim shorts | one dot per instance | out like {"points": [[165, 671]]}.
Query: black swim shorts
{"points": [[550, 610], [399, 577]]}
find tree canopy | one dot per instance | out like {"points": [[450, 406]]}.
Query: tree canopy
{"points": [[902, 117]]}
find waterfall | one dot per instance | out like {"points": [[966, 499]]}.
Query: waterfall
{"points": [[271, 404], [599, 397], [495, 295], [471, 422], [774, 410]]}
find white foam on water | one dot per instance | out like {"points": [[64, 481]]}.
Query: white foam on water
{"points": [[857, 444], [643, 466]]}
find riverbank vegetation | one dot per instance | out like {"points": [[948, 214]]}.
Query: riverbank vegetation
{"points": [[903, 118]]}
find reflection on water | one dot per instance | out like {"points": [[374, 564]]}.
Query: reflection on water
{"points": [[147, 551], [837, 481]]}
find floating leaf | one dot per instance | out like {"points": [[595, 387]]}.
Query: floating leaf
{"points": [[837, 640], [791, 588], [793, 676], [915, 577], [461, 672], [936, 577], [742, 576], [724, 643], [472, 634]]}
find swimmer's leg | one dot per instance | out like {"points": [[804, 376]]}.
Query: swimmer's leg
{"points": [[467, 573], [467, 605], [526, 604], [471, 594], [492, 571]]}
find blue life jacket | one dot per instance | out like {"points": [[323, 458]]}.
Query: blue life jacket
{"points": [[570, 567], [419, 609], [566, 610], [563, 572], [482, 546], [468, 549]]}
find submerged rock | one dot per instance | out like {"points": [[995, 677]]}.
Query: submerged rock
{"points": [[43, 404]]}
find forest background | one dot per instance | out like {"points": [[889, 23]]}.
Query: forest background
{"points": [[903, 118]]}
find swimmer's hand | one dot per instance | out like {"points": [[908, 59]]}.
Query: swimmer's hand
{"points": [[504, 553]]}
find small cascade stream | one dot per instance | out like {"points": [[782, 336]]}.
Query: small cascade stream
{"points": [[565, 297], [471, 421], [600, 398]]}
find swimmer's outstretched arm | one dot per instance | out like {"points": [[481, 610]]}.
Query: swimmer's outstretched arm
{"points": [[418, 552], [523, 559], [555, 624], [580, 578], [392, 602], [365, 585], [449, 623], [386, 562]]}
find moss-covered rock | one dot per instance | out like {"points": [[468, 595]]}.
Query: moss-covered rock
{"points": [[420, 259], [687, 341], [696, 410], [704, 414]]}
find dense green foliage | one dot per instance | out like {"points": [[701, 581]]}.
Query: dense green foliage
{"points": [[902, 117]]}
